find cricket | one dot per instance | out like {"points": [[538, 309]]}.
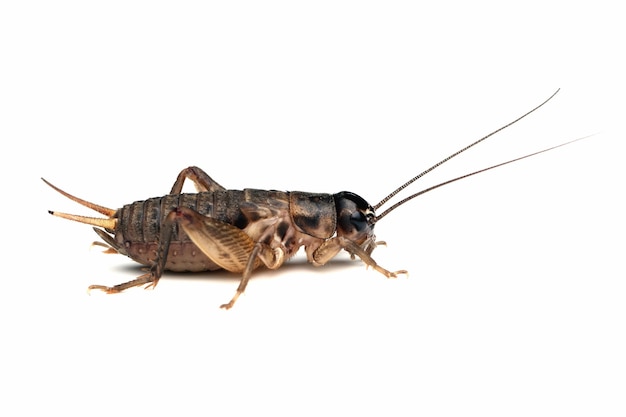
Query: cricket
{"points": [[242, 230]]}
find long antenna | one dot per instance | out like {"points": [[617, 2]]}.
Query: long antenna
{"points": [[406, 184], [398, 204]]}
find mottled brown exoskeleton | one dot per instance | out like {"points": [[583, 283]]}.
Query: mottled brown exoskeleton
{"points": [[241, 230]]}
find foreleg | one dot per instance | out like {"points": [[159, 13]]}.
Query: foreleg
{"points": [[331, 247]]}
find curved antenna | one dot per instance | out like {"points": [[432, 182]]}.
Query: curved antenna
{"points": [[406, 184], [398, 204]]}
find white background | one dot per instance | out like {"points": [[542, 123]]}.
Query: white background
{"points": [[515, 303]]}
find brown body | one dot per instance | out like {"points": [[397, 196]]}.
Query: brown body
{"points": [[265, 216], [240, 230], [235, 230]]}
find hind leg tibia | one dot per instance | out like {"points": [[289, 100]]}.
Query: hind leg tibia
{"points": [[201, 180]]}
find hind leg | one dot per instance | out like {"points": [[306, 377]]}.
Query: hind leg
{"points": [[229, 247], [201, 180], [148, 278]]}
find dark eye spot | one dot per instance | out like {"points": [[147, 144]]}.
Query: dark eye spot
{"points": [[358, 220]]}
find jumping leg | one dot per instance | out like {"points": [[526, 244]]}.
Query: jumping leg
{"points": [[201, 180]]}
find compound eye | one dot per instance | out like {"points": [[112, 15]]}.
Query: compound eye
{"points": [[359, 220]]}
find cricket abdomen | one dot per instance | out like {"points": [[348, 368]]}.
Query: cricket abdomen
{"points": [[182, 256], [138, 231]]}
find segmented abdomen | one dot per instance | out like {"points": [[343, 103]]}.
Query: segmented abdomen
{"points": [[139, 227]]}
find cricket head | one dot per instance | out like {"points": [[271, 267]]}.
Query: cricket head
{"points": [[355, 219]]}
